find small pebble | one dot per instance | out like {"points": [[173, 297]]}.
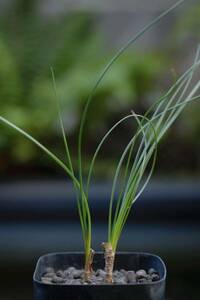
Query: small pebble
{"points": [[66, 273], [49, 275], [71, 269], [46, 280], [148, 277], [152, 271], [131, 277], [99, 280], [141, 274], [155, 277], [100, 273], [57, 279], [77, 274], [142, 280], [60, 274], [120, 281], [123, 272], [118, 274]]}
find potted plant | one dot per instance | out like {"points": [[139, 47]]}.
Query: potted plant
{"points": [[112, 275]]}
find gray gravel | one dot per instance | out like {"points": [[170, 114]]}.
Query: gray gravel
{"points": [[73, 276]]}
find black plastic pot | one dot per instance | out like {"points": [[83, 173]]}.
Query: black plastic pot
{"points": [[128, 261]]}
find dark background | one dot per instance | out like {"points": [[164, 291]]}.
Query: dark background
{"points": [[37, 207]]}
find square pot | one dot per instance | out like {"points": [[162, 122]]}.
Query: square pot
{"points": [[124, 260]]}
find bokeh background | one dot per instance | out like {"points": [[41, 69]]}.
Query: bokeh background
{"points": [[37, 207]]}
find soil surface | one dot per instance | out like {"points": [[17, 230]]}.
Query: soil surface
{"points": [[73, 276]]}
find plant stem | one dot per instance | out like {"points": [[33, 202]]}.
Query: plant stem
{"points": [[109, 256], [88, 265]]}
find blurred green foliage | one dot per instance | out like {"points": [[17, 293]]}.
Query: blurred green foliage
{"points": [[187, 25], [186, 32], [30, 44]]}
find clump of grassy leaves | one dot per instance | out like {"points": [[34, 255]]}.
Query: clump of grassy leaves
{"points": [[139, 154]]}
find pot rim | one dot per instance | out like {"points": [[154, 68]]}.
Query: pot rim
{"points": [[101, 253]]}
